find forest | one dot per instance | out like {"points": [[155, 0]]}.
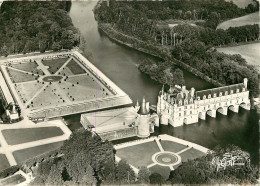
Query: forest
{"points": [[36, 26], [192, 40]]}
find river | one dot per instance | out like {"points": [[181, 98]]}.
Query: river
{"points": [[119, 63]]}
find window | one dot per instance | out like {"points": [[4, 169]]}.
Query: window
{"points": [[185, 107], [190, 112], [180, 114], [244, 89], [231, 91], [204, 97], [184, 113], [237, 90], [198, 98], [209, 96], [215, 95], [220, 94], [226, 93]]}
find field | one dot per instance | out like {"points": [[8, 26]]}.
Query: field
{"points": [[160, 156], [25, 154], [250, 52], [249, 19], [241, 3], [18, 136]]}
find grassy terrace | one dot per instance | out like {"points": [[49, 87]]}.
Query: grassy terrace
{"points": [[191, 154], [13, 180], [18, 77], [28, 67], [139, 155], [19, 136], [25, 154], [3, 162], [172, 146], [54, 64]]}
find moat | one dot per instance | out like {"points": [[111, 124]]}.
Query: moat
{"points": [[119, 63]]}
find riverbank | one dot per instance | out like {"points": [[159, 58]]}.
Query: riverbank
{"points": [[149, 48]]}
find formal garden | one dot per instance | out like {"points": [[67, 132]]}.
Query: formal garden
{"points": [[54, 82], [159, 155]]}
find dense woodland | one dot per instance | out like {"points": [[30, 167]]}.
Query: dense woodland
{"points": [[192, 41], [36, 26]]}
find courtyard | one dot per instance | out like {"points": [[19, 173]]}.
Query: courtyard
{"points": [[160, 154]]}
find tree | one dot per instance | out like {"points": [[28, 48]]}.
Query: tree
{"points": [[156, 178], [124, 173], [143, 175]]}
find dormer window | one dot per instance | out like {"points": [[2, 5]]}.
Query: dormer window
{"points": [[226, 93], [209, 96], [237, 90], [214, 95], [244, 89], [180, 103], [220, 94], [231, 91], [204, 97], [198, 98]]}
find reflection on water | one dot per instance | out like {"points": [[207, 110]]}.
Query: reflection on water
{"points": [[119, 64]]}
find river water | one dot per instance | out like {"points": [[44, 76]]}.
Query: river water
{"points": [[119, 63]]}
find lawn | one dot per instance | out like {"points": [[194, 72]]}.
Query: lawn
{"points": [[75, 68], [249, 19], [3, 162], [250, 52], [25, 154], [18, 77], [29, 67], [18, 136], [172, 146], [191, 154], [54, 64], [139, 155], [27, 90], [13, 180], [50, 96], [164, 171]]}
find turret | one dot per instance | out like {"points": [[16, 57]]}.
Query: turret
{"points": [[147, 106], [143, 110], [137, 106], [245, 82]]}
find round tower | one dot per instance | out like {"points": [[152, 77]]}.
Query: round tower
{"points": [[143, 129]]}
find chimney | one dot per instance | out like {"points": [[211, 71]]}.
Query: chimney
{"points": [[192, 91], [183, 88], [245, 82]]}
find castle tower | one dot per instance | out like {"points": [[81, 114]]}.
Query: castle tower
{"points": [[143, 120], [245, 82]]}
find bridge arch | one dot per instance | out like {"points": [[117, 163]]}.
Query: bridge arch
{"points": [[222, 110], [245, 106], [211, 113], [234, 108]]}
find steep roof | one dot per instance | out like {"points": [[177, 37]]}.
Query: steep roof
{"points": [[217, 91]]}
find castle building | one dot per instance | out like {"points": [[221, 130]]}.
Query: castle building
{"points": [[180, 106]]}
